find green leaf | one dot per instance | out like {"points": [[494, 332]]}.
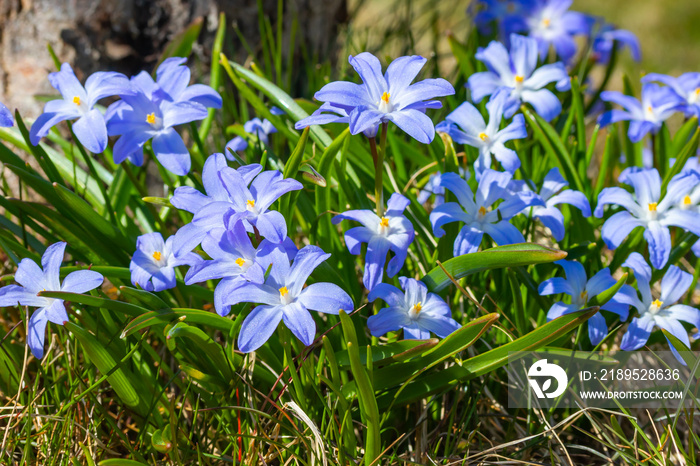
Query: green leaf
{"points": [[687, 151], [502, 256], [392, 352], [292, 166], [121, 379], [203, 352], [90, 219], [686, 353], [151, 300], [453, 344], [88, 300], [193, 316], [281, 99], [550, 140], [121, 462], [365, 392], [486, 362], [158, 201]]}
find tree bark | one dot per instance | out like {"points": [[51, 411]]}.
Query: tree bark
{"points": [[130, 35]]}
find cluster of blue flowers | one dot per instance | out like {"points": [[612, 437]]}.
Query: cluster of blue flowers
{"points": [[246, 245], [148, 111]]}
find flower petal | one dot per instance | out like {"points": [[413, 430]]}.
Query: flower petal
{"points": [[91, 131], [82, 281], [171, 152], [389, 319], [258, 326], [300, 322], [36, 332], [617, 227], [637, 333], [325, 297], [659, 239], [674, 285]]}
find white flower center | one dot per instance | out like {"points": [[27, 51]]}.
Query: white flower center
{"points": [[285, 297], [652, 213], [155, 121], [159, 259], [383, 228], [655, 307], [415, 310], [384, 105]]}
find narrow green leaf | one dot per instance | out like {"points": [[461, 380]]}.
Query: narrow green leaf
{"points": [[486, 362], [513, 255], [88, 300], [122, 380], [605, 296], [193, 316]]}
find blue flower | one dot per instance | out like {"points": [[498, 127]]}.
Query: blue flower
{"points": [[382, 98], [660, 312], [393, 232], [581, 290], [6, 119], [552, 195], [686, 87], [476, 213], [251, 205], [432, 187], [234, 261], [79, 102], [551, 23], [486, 12], [33, 279], [150, 110], [153, 264], [647, 210], [261, 129], [516, 71], [173, 77], [465, 125], [416, 311], [657, 105], [208, 209], [607, 36], [283, 297]]}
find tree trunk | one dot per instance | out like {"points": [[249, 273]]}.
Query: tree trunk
{"points": [[129, 35]]}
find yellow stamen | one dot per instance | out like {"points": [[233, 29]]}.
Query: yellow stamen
{"points": [[157, 255], [649, 109], [584, 295], [546, 22], [284, 291], [652, 206], [417, 307], [697, 91], [519, 79], [482, 210], [657, 303], [76, 100], [384, 222], [687, 200], [151, 118], [385, 97], [483, 136], [240, 261], [250, 203]]}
